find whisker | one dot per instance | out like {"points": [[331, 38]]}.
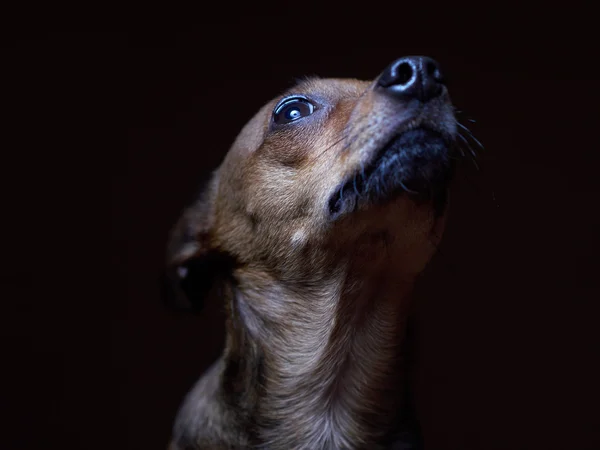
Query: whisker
{"points": [[406, 188], [474, 155], [329, 147], [460, 149], [471, 135], [468, 145], [461, 112], [354, 134]]}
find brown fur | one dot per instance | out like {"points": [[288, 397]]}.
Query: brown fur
{"points": [[316, 308]]}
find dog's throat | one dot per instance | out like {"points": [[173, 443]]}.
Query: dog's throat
{"points": [[326, 376]]}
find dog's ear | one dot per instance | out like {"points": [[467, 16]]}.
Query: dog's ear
{"points": [[193, 265]]}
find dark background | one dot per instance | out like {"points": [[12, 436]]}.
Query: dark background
{"points": [[109, 135]]}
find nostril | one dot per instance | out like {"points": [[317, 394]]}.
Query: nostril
{"points": [[433, 71], [417, 77], [404, 73]]}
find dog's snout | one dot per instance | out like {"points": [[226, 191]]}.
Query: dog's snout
{"points": [[412, 77]]}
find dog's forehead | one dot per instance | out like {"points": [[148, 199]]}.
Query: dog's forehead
{"points": [[330, 89]]}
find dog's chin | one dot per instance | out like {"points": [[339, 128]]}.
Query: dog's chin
{"points": [[416, 163]]}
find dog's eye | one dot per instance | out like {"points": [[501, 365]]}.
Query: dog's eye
{"points": [[291, 110]]}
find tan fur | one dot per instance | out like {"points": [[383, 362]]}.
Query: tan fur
{"points": [[316, 308]]}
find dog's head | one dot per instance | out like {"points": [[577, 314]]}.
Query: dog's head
{"points": [[331, 167]]}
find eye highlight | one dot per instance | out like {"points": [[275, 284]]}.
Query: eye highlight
{"points": [[292, 109]]}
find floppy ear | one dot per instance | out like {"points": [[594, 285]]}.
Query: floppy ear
{"points": [[192, 264]]}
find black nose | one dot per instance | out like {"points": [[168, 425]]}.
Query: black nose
{"points": [[413, 77]]}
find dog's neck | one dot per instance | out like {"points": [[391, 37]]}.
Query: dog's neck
{"points": [[318, 365]]}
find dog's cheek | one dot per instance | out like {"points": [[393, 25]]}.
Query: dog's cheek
{"points": [[290, 147]]}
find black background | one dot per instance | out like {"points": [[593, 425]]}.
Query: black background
{"points": [[109, 135]]}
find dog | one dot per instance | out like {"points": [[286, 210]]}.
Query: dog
{"points": [[327, 207]]}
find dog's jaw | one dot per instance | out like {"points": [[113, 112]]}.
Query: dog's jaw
{"points": [[416, 163], [408, 153]]}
